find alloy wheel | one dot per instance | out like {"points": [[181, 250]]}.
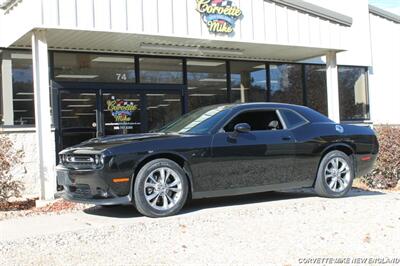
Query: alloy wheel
{"points": [[163, 188], [337, 174]]}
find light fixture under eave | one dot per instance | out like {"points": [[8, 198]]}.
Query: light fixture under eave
{"points": [[85, 114], [202, 95], [237, 89], [69, 117], [155, 94], [75, 100], [172, 100], [204, 63], [79, 105], [65, 76], [190, 49], [109, 59], [212, 80]]}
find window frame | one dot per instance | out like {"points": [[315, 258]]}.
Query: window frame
{"points": [[52, 66], [138, 68], [306, 121], [222, 130], [367, 94]]}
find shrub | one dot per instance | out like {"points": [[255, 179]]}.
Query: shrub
{"points": [[9, 158], [386, 173]]}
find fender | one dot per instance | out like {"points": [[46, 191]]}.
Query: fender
{"points": [[167, 155], [338, 144], [331, 147]]}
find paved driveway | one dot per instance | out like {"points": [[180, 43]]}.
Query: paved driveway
{"points": [[284, 228]]}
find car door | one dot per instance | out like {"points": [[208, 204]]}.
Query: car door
{"points": [[307, 145], [256, 159]]}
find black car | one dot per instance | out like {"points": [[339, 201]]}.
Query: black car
{"points": [[216, 151]]}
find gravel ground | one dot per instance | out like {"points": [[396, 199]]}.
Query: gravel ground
{"points": [[267, 228]]}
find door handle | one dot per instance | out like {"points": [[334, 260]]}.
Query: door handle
{"points": [[287, 138]]}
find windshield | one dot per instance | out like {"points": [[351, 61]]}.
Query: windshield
{"points": [[198, 121]]}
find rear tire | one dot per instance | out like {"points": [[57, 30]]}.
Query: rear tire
{"points": [[335, 175], [160, 189]]}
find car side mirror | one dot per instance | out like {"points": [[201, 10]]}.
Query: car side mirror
{"points": [[242, 128]]}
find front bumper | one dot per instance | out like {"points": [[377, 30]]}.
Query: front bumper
{"points": [[126, 200], [88, 186]]}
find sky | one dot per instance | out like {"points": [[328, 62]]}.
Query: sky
{"points": [[389, 5]]}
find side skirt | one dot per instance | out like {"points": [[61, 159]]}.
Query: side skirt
{"points": [[249, 190]]}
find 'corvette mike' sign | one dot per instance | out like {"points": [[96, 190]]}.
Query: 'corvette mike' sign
{"points": [[219, 15]]}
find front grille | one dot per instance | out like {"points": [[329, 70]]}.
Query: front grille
{"points": [[84, 159], [81, 190], [86, 192], [78, 161]]}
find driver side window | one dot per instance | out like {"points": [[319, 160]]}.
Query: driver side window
{"points": [[258, 120]]}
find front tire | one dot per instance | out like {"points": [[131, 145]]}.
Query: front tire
{"points": [[160, 189], [335, 175]]}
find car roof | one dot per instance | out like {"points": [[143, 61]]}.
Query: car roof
{"points": [[308, 113]]}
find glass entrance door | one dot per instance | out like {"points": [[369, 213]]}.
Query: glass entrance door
{"points": [[78, 116], [86, 114], [122, 113]]}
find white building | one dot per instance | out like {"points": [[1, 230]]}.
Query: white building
{"points": [[65, 63]]}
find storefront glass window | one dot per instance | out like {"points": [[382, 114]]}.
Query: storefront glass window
{"points": [[22, 79], [94, 67], [286, 83], [316, 88], [248, 82], [207, 82], [161, 70], [353, 94], [162, 109]]}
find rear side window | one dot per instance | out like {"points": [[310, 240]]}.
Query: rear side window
{"points": [[292, 119], [258, 120]]}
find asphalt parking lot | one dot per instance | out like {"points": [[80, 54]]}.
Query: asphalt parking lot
{"points": [[279, 228]]}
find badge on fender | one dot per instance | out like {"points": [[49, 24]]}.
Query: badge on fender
{"points": [[339, 128]]}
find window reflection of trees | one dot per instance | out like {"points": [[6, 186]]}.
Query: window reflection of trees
{"points": [[353, 95], [248, 81], [161, 70], [207, 83], [316, 88], [286, 83]]}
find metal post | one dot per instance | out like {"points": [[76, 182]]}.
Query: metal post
{"points": [[332, 86], [7, 84], [44, 135]]}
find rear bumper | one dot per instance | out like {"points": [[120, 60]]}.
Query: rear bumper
{"points": [[88, 186], [364, 164]]}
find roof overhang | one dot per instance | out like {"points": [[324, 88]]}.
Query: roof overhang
{"points": [[384, 14], [113, 42], [317, 11]]}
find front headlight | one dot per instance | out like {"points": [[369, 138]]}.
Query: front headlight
{"points": [[62, 158], [99, 159]]}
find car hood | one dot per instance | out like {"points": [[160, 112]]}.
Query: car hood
{"points": [[98, 144]]}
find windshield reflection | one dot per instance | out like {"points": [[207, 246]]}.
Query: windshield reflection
{"points": [[199, 121]]}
